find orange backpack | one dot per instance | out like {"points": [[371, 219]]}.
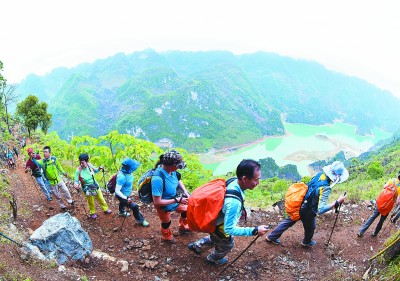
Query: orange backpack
{"points": [[386, 199], [206, 202], [294, 198]]}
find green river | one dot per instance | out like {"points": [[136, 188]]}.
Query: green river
{"points": [[301, 145]]}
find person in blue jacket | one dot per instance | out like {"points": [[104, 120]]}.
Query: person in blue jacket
{"points": [[123, 191], [248, 173], [315, 202]]}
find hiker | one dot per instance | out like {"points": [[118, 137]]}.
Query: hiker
{"points": [[36, 172], [314, 203], [10, 159], [15, 151], [123, 191], [84, 179], [248, 173], [51, 168], [383, 207], [164, 184], [23, 142]]}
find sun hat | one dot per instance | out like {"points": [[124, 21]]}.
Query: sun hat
{"points": [[129, 165], [335, 171]]}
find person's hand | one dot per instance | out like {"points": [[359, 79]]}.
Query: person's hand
{"points": [[129, 200], [184, 200], [66, 175], [101, 168], [262, 229], [187, 195]]}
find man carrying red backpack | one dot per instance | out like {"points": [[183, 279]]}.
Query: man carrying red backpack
{"points": [[384, 204], [314, 202], [248, 175]]}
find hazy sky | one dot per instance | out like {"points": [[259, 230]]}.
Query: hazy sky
{"points": [[356, 37]]}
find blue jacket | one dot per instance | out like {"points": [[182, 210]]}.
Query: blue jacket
{"points": [[318, 192], [230, 214]]}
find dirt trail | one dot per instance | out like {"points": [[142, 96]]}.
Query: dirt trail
{"points": [[149, 259]]}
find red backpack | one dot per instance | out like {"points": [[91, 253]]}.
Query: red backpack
{"points": [[387, 198], [112, 183], [206, 202]]}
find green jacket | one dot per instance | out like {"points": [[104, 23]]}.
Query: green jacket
{"points": [[51, 169]]}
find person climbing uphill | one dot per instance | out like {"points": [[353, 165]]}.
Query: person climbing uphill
{"points": [[384, 204], [248, 174], [36, 172], [123, 191], [164, 184], [51, 168], [315, 202], [84, 179]]}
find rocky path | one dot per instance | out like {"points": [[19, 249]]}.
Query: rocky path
{"points": [[145, 257]]}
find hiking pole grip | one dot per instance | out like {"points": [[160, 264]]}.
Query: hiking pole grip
{"points": [[340, 204]]}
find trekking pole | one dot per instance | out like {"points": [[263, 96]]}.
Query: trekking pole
{"points": [[105, 186], [83, 204], [252, 242], [334, 224], [19, 244]]}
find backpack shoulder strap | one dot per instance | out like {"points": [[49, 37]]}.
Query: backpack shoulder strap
{"points": [[234, 194], [231, 193]]}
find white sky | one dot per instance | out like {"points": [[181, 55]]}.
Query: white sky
{"points": [[356, 37]]}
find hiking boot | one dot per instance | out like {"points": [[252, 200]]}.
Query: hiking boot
{"points": [[167, 236], [194, 248], [273, 241], [359, 235], [211, 260], [312, 243], [124, 214], [93, 216], [144, 223], [108, 212]]}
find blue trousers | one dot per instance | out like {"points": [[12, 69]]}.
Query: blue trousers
{"points": [[308, 219], [370, 220], [44, 186]]}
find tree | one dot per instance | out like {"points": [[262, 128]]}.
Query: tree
{"points": [[8, 96], [34, 114], [375, 170]]}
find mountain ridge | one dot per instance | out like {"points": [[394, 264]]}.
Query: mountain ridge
{"points": [[204, 100]]}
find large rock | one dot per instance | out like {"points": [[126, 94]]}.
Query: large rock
{"points": [[62, 238]]}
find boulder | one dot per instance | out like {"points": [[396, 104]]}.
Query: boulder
{"points": [[62, 238]]}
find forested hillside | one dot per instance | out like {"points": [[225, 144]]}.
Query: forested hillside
{"points": [[203, 100]]}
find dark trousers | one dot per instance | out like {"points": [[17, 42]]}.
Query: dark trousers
{"points": [[371, 219], [123, 203], [308, 219]]}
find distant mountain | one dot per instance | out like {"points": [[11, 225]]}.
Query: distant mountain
{"points": [[202, 100]]}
